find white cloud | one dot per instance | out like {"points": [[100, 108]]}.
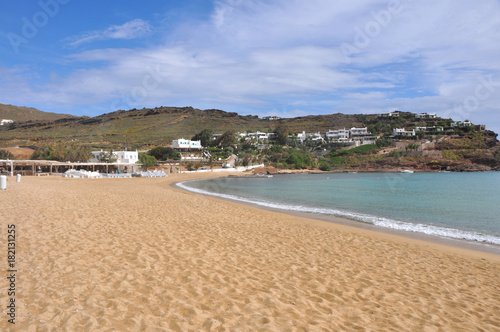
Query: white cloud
{"points": [[367, 96], [130, 30], [426, 56]]}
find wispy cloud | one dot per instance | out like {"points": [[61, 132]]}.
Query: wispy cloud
{"points": [[130, 30], [283, 57]]}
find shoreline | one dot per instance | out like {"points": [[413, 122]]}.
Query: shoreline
{"points": [[373, 170], [459, 244]]}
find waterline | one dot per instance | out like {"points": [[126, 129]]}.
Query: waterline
{"points": [[390, 223]]}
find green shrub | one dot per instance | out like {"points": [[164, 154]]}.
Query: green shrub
{"points": [[362, 149], [164, 153], [298, 160], [325, 166], [337, 160], [6, 155], [146, 160], [381, 143], [396, 154], [62, 152]]}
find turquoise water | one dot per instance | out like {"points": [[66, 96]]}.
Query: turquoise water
{"points": [[454, 205]]}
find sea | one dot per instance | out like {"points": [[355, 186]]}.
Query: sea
{"points": [[461, 206]]}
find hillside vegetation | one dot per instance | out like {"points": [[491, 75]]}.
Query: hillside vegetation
{"points": [[457, 148], [21, 113], [140, 128]]}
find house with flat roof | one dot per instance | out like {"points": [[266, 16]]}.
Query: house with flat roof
{"points": [[186, 144], [358, 131], [466, 123], [271, 118], [433, 128], [258, 136], [394, 114], [337, 135], [122, 157], [311, 137], [361, 136], [357, 136], [402, 132], [425, 116], [315, 137]]}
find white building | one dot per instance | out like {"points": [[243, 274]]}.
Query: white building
{"points": [[259, 136], [362, 136], [264, 137], [402, 132], [368, 140], [271, 118], [337, 135], [5, 121], [359, 136], [127, 157], [433, 128], [186, 144], [303, 136], [466, 123], [358, 131], [315, 137], [122, 157], [425, 116], [394, 114]]}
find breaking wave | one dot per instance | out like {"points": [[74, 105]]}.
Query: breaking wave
{"points": [[365, 218]]}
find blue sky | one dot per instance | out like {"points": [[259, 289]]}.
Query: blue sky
{"points": [[273, 57]]}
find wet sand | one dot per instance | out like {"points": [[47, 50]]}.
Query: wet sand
{"points": [[138, 254]]}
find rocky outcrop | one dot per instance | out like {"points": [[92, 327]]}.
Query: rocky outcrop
{"points": [[266, 170]]}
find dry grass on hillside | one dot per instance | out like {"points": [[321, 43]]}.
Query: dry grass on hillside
{"points": [[20, 153]]}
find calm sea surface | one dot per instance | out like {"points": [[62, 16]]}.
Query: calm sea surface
{"points": [[453, 205]]}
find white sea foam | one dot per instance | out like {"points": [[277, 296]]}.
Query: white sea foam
{"points": [[374, 220]]}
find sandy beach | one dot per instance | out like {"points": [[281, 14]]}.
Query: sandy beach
{"points": [[140, 255]]}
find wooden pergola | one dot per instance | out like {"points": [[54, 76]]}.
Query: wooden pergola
{"points": [[56, 166]]}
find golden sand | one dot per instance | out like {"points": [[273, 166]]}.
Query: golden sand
{"points": [[139, 255]]}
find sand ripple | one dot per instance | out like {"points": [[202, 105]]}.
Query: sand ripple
{"points": [[137, 255]]}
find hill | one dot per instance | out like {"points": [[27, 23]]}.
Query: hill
{"points": [[435, 144], [22, 113], [139, 128]]}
